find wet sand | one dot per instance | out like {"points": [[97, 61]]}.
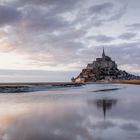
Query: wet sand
{"points": [[30, 87], [74, 113], [42, 86], [106, 90]]}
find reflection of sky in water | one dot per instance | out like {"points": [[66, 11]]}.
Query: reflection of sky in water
{"points": [[72, 114]]}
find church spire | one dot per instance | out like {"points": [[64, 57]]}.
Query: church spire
{"points": [[103, 54]]}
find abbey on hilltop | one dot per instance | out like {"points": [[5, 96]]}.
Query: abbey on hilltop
{"points": [[104, 69]]}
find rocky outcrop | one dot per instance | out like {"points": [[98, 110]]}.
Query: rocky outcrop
{"points": [[104, 69]]}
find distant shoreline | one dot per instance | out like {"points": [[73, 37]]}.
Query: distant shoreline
{"points": [[44, 86], [136, 82], [40, 84], [67, 84], [32, 87]]}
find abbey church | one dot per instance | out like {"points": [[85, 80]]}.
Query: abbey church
{"points": [[104, 62], [103, 68]]}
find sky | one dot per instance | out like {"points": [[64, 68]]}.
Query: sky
{"points": [[59, 37]]}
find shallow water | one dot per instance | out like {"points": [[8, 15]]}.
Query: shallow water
{"points": [[76, 113]]}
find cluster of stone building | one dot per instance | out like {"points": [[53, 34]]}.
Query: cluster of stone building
{"points": [[103, 69]]}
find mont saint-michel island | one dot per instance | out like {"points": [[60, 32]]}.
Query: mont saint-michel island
{"points": [[103, 69]]}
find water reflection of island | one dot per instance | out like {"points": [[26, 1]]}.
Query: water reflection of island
{"points": [[104, 104]]}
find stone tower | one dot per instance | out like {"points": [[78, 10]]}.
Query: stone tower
{"points": [[103, 54]]}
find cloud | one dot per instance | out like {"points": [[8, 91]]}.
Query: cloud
{"points": [[104, 125], [101, 38], [106, 12], [62, 52], [59, 33], [134, 26], [48, 2], [45, 125], [118, 14], [127, 36], [101, 9], [55, 6], [130, 127], [74, 120], [9, 15], [36, 19]]}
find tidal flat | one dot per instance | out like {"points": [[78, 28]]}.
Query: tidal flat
{"points": [[72, 113]]}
